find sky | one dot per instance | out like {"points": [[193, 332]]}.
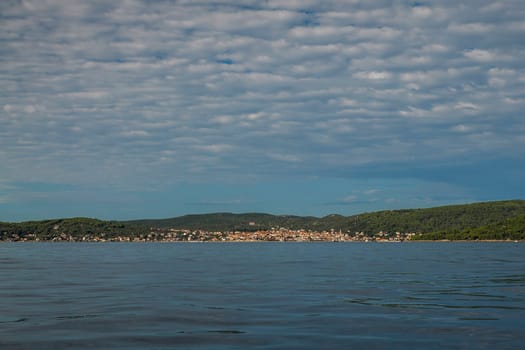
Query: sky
{"points": [[154, 109]]}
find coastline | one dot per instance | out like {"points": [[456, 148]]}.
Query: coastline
{"points": [[265, 241]]}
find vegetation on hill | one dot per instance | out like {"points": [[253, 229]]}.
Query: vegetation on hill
{"points": [[229, 222], [487, 220], [68, 228], [508, 229], [446, 219], [453, 218]]}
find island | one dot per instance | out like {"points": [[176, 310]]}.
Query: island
{"points": [[498, 220]]}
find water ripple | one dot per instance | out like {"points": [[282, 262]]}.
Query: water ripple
{"points": [[18, 320], [271, 296]]}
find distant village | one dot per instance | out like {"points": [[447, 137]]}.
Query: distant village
{"points": [[484, 221], [182, 235], [276, 234]]}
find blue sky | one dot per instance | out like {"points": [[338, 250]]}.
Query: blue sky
{"points": [[151, 109]]}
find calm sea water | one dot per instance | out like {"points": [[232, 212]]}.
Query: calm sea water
{"points": [[262, 296]]}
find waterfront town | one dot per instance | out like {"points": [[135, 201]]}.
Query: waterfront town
{"points": [[485, 221], [182, 235]]}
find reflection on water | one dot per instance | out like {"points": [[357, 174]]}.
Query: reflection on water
{"points": [[262, 296]]}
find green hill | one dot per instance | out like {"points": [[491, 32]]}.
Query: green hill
{"points": [[507, 229], [228, 222], [446, 219], [440, 219], [64, 228], [486, 220]]}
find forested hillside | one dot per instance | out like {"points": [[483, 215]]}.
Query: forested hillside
{"points": [[443, 219], [67, 229], [508, 229], [487, 220]]}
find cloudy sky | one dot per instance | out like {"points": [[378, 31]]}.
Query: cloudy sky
{"points": [[150, 109]]}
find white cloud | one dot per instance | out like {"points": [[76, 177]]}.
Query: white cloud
{"points": [[288, 158], [461, 128], [482, 55], [466, 106], [223, 119], [499, 77], [299, 87], [215, 148], [471, 28], [435, 48], [371, 191], [136, 133], [374, 75], [421, 12], [350, 199], [85, 94], [30, 109]]}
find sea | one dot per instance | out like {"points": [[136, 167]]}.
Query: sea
{"points": [[266, 295]]}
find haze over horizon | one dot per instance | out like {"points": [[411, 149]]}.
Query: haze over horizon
{"points": [[154, 109]]}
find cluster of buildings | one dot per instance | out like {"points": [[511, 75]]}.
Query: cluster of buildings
{"points": [[178, 235], [274, 234]]}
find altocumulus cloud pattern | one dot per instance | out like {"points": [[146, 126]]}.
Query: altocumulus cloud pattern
{"points": [[398, 104]]}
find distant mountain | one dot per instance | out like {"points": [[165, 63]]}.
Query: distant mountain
{"points": [[485, 220]]}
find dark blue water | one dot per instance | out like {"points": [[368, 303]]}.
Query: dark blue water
{"points": [[262, 296]]}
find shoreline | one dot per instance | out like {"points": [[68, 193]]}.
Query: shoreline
{"points": [[269, 241]]}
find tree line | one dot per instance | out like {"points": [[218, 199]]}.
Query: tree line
{"points": [[484, 220]]}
